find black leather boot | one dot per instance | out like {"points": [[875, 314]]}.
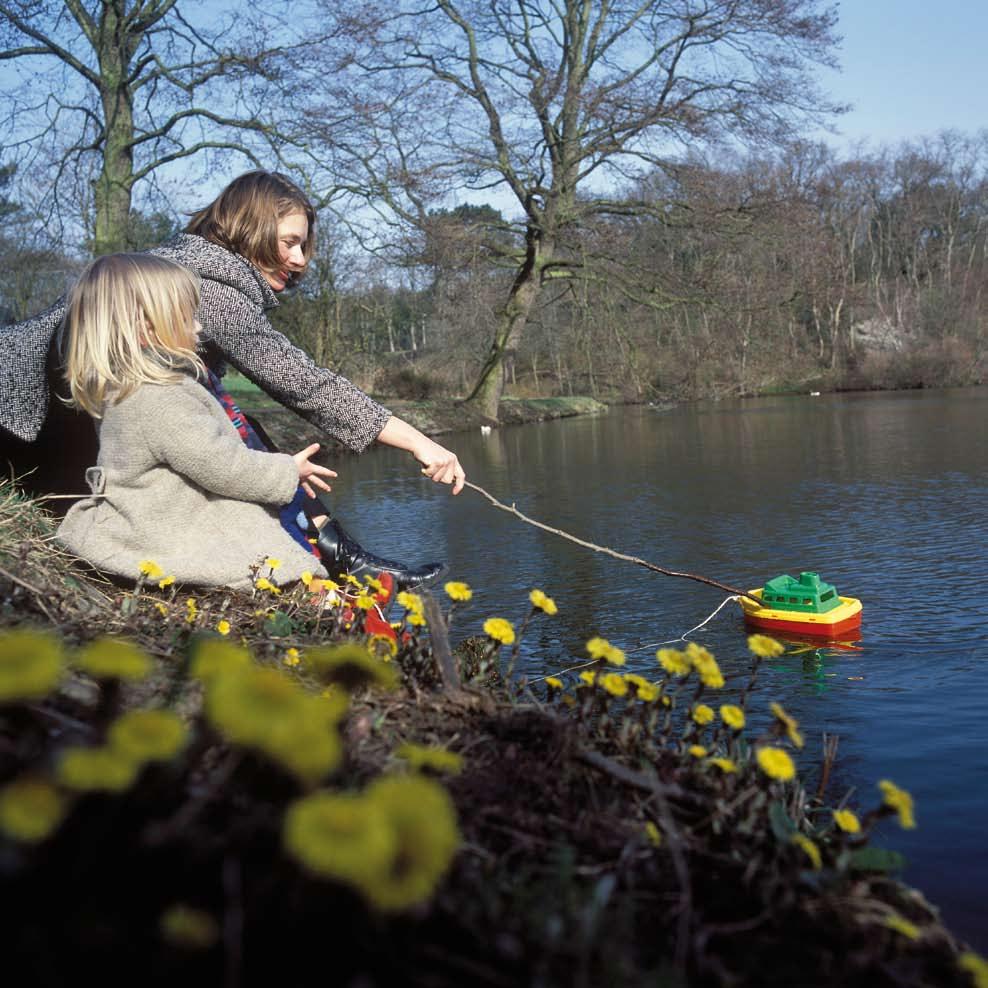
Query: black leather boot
{"points": [[341, 554]]}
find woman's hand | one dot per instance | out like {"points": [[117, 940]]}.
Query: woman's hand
{"points": [[310, 474], [439, 464]]}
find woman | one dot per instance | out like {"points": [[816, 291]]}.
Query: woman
{"points": [[251, 243]]}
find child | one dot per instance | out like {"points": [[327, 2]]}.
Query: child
{"points": [[173, 483]]}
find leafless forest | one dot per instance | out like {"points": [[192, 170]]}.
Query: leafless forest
{"points": [[542, 198]]}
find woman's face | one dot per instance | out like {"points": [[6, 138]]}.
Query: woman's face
{"points": [[293, 231]]}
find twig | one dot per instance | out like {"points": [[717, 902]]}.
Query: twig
{"points": [[830, 742], [674, 841], [626, 775], [27, 586], [440, 642], [39, 594], [66, 497], [512, 510]]}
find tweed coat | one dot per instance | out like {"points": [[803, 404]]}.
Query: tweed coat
{"points": [[232, 309], [174, 483]]}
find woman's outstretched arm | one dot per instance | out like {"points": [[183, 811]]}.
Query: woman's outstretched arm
{"points": [[438, 463]]}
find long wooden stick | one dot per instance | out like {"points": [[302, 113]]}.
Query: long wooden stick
{"points": [[512, 510]]}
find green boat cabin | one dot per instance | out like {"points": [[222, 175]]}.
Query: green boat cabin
{"points": [[808, 594]]}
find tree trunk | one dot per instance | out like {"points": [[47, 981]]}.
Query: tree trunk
{"points": [[113, 186], [486, 393]]}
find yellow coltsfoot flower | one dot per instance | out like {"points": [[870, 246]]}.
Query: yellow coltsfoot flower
{"points": [[31, 665], [340, 836], [706, 666], [30, 810], [113, 658], [809, 848], [410, 601], [790, 724], [975, 965], [500, 630], [542, 603], [460, 592], [426, 758], [732, 716], [702, 714], [674, 662], [649, 693], [95, 770], [189, 928], [350, 666], [148, 735], [764, 647], [900, 801], [212, 657], [776, 763], [422, 819], [902, 926], [150, 569], [847, 821], [262, 708], [614, 683], [601, 648]]}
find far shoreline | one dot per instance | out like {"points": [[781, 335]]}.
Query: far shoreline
{"points": [[444, 416]]}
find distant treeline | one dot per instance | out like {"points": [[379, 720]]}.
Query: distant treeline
{"points": [[800, 270]]}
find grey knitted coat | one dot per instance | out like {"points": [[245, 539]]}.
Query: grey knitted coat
{"points": [[232, 309], [179, 487]]}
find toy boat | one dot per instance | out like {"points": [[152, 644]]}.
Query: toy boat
{"points": [[807, 606]]}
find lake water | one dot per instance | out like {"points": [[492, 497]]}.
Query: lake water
{"points": [[885, 495]]}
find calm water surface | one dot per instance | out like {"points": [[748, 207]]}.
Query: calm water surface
{"points": [[885, 495]]}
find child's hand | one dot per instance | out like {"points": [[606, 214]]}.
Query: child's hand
{"points": [[310, 474]]}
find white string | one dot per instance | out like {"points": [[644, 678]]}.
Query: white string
{"points": [[682, 637], [639, 648]]}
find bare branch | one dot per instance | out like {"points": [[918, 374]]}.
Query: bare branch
{"points": [[48, 45]]}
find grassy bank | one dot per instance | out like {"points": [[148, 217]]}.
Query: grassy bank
{"points": [[303, 796]]}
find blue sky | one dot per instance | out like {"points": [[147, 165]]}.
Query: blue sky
{"points": [[911, 68]]}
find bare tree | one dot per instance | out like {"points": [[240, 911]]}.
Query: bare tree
{"points": [[551, 99], [116, 89]]}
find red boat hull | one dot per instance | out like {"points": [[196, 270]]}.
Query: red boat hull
{"points": [[836, 630]]}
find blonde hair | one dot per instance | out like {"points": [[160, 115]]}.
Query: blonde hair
{"points": [[129, 321], [244, 218]]}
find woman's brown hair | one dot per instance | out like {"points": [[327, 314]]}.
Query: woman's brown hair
{"points": [[244, 218]]}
